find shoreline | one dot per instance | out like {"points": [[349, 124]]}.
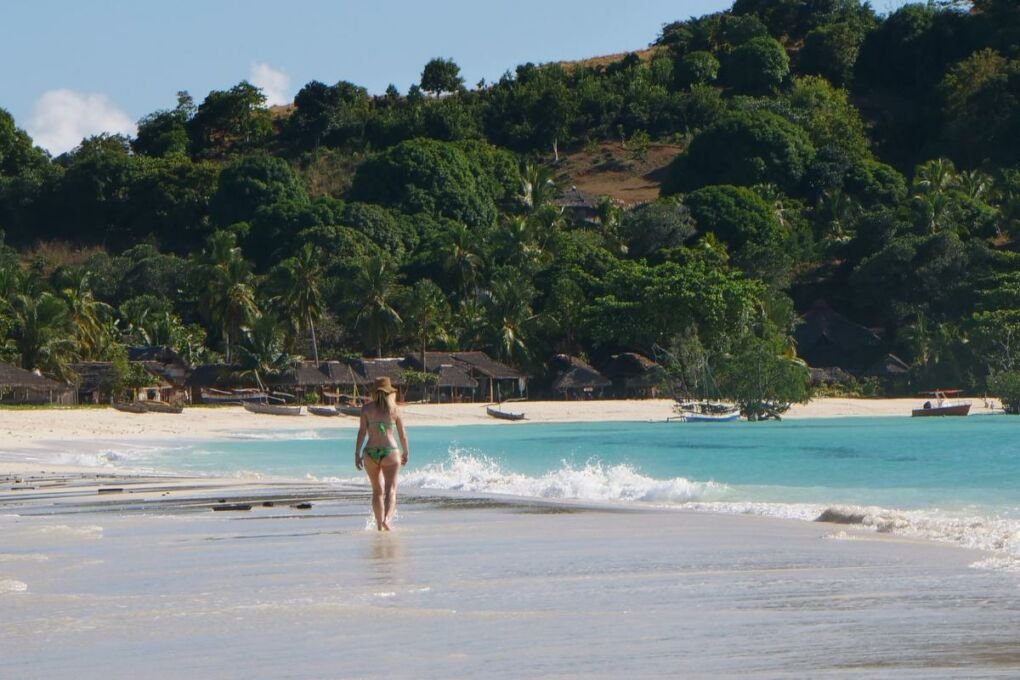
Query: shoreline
{"points": [[26, 430]]}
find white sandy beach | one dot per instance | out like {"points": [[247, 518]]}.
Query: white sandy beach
{"points": [[27, 429]]}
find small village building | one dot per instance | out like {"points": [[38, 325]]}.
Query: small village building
{"points": [[635, 375], [453, 384], [495, 381], [825, 338], [218, 383], [303, 380], [99, 382], [370, 370], [575, 379], [168, 365], [578, 205], [18, 386]]}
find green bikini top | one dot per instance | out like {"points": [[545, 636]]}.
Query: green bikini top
{"points": [[383, 426]]}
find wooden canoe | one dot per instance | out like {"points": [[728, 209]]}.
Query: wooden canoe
{"points": [[273, 409], [503, 415]]}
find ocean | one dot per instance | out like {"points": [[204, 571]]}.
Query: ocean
{"points": [[951, 479]]}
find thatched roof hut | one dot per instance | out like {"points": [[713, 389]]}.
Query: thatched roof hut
{"points": [[18, 386], [576, 378], [888, 366], [634, 375], [98, 381], [827, 338], [491, 376]]}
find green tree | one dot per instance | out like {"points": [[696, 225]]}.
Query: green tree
{"points": [[375, 288], [251, 183], [41, 332], [761, 378], [165, 133], [91, 320], [697, 68], [335, 115], [1006, 385], [758, 67], [262, 351], [230, 121], [427, 316], [227, 288], [300, 282], [441, 75], [748, 225], [423, 175], [652, 227], [746, 148]]}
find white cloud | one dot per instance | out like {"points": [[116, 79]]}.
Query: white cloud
{"points": [[274, 84], [62, 118]]}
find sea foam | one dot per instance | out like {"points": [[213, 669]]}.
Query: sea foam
{"points": [[592, 481]]}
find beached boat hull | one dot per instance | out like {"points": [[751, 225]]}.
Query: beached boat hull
{"points": [[503, 415], [707, 418], [272, 410], [161, 407], [325, 411], [129, 408], [231, 398], [954, 410]]}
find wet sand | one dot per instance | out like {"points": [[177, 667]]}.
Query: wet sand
{"points": [[147, 578]]}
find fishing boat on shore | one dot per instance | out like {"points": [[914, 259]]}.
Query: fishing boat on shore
{"points": [[273, 409], [213, 396], [503, 415], [704, 412], [943, 405], [129, 407], [325, 411], [161, 407]]}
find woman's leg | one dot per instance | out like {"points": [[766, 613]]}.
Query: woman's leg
{"points": [[390, 468], [373, 469]]}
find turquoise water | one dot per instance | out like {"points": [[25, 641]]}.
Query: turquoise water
{"points": [[951, 479], [949, 464]]}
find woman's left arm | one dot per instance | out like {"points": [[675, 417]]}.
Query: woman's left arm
{"points": [[402, 433]]}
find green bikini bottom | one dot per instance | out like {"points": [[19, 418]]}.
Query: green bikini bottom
{"points": [[377, 453]]}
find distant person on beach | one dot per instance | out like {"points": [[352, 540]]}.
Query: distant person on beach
{"points": [[381, 458]]}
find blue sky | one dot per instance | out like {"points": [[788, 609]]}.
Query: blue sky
{"points": [[73, 67]]}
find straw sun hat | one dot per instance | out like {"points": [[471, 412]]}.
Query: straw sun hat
{"points": [[384, 385]]}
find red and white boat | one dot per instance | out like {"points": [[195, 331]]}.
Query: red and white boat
{"points": [[942, 405]]}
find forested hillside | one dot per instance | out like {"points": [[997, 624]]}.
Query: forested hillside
{"points": [[822, 153]]}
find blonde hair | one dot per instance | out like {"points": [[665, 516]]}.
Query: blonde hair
{"points": [[387, 403]]}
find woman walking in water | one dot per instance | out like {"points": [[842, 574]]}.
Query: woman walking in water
{"points": [[381, 457]]}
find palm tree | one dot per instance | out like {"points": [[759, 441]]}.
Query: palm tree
{"points": [[302, 291], [262, 351], [509, 312], [937, 176], [975, 184], [427, 315], [462, 258], [92, 321], [538, 186], [41, 334], [229, 290], [375, 284], [838, 210]]}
